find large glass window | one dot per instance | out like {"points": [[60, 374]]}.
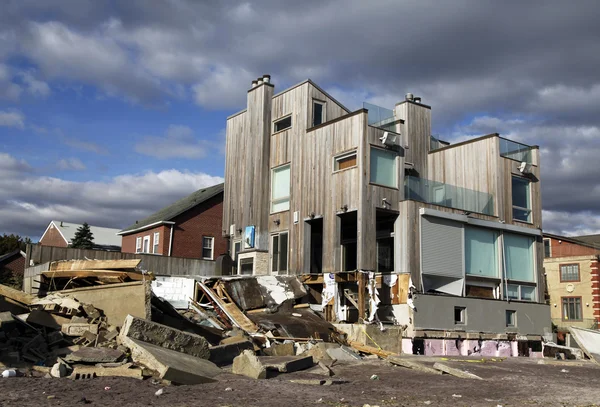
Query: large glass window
{"points": [[383, 167], [280, 189], [481, 257], [521, 199], [518, 257]]}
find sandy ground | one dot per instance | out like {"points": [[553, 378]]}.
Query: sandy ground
{"points": [[512, 382]]}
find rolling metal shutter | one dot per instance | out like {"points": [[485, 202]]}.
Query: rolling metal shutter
{"points": [[441, 247]]}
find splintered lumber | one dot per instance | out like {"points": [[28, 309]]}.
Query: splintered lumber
{"points": [[95, 264], [455, 372], [412, 365], [16, 295], [370, 349], [95, 273], [229, 310]]}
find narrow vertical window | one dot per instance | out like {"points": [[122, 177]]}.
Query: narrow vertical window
{"points": [[207, 247], [138, 245], [547, 248], [521, 201], [460, 315], [280, 189], [511, 319], [155, 243], [318, 112], [279, 252], [146, 244]]}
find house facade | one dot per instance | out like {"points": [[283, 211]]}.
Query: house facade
{"points": [[572, 274], [59, 234], [12, 268], [190, 228], [386, 222]]}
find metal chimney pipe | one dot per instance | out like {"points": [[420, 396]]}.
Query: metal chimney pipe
{"points": [[266, 78], [254, 83]]}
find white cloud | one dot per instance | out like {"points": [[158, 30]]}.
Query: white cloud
{"points": [[8, 90], [70, 164], [571, 224], [12, 119], [35, 86], [29, 202], [223, 88], [178, 142]]}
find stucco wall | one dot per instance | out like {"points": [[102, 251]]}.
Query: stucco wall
{"points": [[581, 288], [487, 316]]}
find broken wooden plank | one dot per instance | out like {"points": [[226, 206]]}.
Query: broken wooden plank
{"points": [[16, 295], [370, 349], [94, 264], [240, 318], [398, 361], [455, 372], [98, 273]]}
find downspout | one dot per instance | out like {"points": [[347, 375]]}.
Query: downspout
{"points": [[171, 240], [504, 266]]}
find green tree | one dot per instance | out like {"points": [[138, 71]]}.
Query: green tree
{"points": [[10, 243], [84, 238]]}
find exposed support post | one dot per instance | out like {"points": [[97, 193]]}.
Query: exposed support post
{"points": [[362, 291]]}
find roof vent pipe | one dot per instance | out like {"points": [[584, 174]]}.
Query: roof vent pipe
{"points": [[259, 81], [266, 78], [409, 96], [254, 83], [417, 99]]}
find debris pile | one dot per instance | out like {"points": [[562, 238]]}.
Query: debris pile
{"points": [[100, 318]]}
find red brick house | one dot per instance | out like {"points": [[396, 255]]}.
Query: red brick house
{"points": [[60, 234], [12, 267], [190, 227]]}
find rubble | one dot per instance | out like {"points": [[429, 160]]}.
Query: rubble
{"points": [[455, 372]]}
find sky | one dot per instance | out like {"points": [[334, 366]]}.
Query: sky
{"points": [[110, 110]]}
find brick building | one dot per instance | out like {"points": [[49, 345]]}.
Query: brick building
{"points": [[12, 267], [60, 233], [572, 267], [190, 227]]}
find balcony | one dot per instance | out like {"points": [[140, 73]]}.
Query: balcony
{"points": [[515, 151], [380, 117], [438, 193]]}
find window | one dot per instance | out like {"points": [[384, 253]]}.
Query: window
{"points": [[460, 315], [520, 292], [547, 249], [571, 308], [280, 189], [518, 252], [318, 112], [279, 250], [146, 248], [481, 257], [207, 247], [343, 161], [155, 243], [569, 272], [282, 124], [237, 246], [383, 167], [138, 245], [511, 319], [520, 199], [247, 266]]}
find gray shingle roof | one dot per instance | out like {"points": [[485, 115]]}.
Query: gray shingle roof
{"points": [[102, 236], [177, 208]]}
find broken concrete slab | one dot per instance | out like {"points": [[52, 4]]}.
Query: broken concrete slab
{"points": [[321, 369], [343, 354], [248, 364], [222, 355], [58, 370], [412, 365], [589, 341], [88, 372], [79, 329], [319, 351], [170, 365], [455, 372], [551, 350], [95, 355], [286, 364], [164, 336], [6, 319], [280, 349]]}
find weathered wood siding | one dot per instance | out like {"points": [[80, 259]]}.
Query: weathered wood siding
{"points": [[417, 133]]}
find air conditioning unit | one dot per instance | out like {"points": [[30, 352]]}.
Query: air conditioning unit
{"points": [[524, 168], [388, 139]]}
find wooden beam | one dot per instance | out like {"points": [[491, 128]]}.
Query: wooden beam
{"points": [[16, 295], [362, 294], [97, 273], [94, 264], [371, 350]]}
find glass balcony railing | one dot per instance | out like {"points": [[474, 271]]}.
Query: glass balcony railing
{"points": [[380, 116], [438, 193], [515, 151]]}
